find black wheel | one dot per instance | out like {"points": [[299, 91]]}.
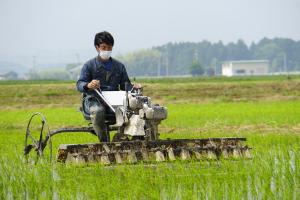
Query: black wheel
{"points": [[36, 132]]}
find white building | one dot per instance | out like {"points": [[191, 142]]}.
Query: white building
{"points": [[245, 67]]}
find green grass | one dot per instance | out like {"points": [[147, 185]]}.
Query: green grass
{"points": [[217, 79], [234, 113], [25, 95], [169, 80], [272, 128]]}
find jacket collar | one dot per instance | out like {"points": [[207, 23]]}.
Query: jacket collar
{"points": [[113, 67]]}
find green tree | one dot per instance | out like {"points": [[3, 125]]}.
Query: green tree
{"points": [[144, 62], [196, 68]]}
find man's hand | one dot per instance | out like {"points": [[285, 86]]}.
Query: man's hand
{"points": [[137, 86], [94, 84]]}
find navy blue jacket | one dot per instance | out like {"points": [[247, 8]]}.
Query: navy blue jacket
{"points": [[112, 80]]}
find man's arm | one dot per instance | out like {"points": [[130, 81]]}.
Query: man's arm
{"points": [[124, 79], [84, 79]]}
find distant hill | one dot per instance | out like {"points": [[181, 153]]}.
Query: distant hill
{"points": [[6, 67]]}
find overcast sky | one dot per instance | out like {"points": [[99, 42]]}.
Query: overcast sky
{"points": [[61, 27]]}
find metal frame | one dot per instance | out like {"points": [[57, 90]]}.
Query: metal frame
{"points": [[39, 144]]}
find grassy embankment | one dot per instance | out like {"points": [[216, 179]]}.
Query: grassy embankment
{"points": [[266, 110]]}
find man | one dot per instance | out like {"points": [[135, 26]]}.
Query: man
{"points": [[105, 73]]}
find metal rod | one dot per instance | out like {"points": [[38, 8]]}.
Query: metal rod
{"points": [[105, 100]]}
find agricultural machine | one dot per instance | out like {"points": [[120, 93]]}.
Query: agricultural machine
{"points": [[135, 119]]}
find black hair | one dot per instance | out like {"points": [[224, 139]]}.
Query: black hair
{"points": [[103, 37]]}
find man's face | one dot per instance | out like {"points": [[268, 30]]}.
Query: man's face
{"points": [[104, 47]]}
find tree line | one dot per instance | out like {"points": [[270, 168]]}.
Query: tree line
{"points": [[190, 58], [206, 58]]}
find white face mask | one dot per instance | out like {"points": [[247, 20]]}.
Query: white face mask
{"points": [[105, 55]]}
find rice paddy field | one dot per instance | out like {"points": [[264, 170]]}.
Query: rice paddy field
{"points": [[265, 110]]}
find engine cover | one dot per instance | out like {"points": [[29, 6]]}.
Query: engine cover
{"points": [[135, 127]]}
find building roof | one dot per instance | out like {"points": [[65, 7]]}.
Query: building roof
{"points": [[246, 61]]}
